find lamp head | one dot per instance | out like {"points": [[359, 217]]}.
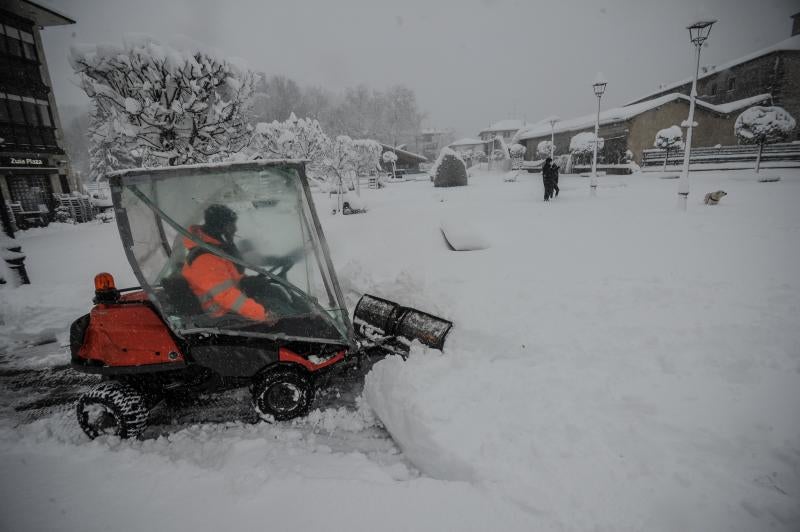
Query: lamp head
{"points": [[699, 31]]}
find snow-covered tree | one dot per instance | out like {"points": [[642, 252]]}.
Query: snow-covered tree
{"points": [[169, 105], [340, 160], [763, 125], [517, 150], [667, 139], [368, 155], [581, 146], [545, 149], [390, 158]]}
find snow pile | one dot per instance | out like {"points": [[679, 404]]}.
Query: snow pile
{"points": [[461, 234], [591, 380]]}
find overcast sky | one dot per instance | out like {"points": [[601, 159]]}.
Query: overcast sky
{"points": [[470, 62]]}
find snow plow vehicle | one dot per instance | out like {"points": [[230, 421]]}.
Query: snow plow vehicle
{"points": [[237, 288]]}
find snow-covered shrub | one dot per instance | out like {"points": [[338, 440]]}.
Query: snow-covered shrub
{"points": [[449, 170], [763, 125], [581, 146], [544, 149], [667, 139], [63, 215], [295, 138], [517, 150], [157, 105]]}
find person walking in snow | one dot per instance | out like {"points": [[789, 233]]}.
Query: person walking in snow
{"points": [[554, 169], [548, 178]]}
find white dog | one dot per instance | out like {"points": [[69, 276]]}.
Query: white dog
{"points": [[712, 198]]}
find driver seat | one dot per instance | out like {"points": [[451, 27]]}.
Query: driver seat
{"points": [[179, 296]]}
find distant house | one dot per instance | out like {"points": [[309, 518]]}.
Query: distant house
{"points": [[504, 128], [634, 127], [407, 161], [468, 144], [430, 141]]}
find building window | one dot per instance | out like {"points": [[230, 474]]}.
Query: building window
{"points": [[26, 121], [17, 42], [713, 91], [731, 84], [31, 191]]}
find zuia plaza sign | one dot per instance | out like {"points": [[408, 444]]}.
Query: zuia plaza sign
{"points": [[24, 161]]}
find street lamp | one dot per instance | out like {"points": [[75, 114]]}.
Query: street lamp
{"points": [[552, 121], [698, 33], [599, 87]]}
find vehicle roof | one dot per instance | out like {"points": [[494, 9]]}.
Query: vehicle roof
{"points": [[205, 167]]}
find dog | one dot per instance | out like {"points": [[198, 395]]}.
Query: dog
{"points": [[712, 198]]}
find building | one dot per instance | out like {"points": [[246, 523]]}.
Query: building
{"points": [[466, 144], [770, 76], [633, 127], [406, 161], [33, 164], [504, 128], [774, 70], [429, 142]]}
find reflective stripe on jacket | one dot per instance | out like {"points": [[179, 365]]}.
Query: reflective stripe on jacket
{"points": [[215, 282]]}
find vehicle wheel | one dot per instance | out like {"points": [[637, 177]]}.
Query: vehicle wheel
{"points": [[112, 408], [282, 393]]}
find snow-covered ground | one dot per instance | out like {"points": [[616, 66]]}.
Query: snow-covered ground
{"points": [[615, 365]]}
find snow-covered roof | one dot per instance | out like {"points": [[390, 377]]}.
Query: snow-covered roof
{"points": [[511, 124], [608, 116], [466, 142], [405, 153], [730, 107], [792, 43], [42, 13]]}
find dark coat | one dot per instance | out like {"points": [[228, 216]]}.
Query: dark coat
{"points": [[549, 174]]}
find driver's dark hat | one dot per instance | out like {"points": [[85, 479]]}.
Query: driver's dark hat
{"points": [[217, 216]]}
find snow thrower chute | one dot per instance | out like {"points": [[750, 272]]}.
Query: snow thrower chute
{"points": [[188, 330]]}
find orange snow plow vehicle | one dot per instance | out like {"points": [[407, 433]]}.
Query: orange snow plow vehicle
{"points": [[236, 289]]}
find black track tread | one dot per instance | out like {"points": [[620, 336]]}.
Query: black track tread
{"points": [[125, 400]]}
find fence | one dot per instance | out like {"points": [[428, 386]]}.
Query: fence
{"points": [[775, 155]]}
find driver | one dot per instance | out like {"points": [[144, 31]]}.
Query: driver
{"points": [[216, 280]]}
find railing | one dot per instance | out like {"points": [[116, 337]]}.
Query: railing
{"points": [[787, 153]]}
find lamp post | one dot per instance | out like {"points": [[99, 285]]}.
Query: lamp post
{"points": [[698, 33], [599, 87], [552, 121]]}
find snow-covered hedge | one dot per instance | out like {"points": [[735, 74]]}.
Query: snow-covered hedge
{"points": [[158, 105], [758, 125], [449, 170]]}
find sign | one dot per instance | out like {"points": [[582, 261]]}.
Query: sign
{"points": [[23, 162]]}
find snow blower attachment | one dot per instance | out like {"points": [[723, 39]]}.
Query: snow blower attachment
{"points": [[388, 323]]}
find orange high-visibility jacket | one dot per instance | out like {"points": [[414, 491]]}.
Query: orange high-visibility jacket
{"points": [[215, 282]]}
